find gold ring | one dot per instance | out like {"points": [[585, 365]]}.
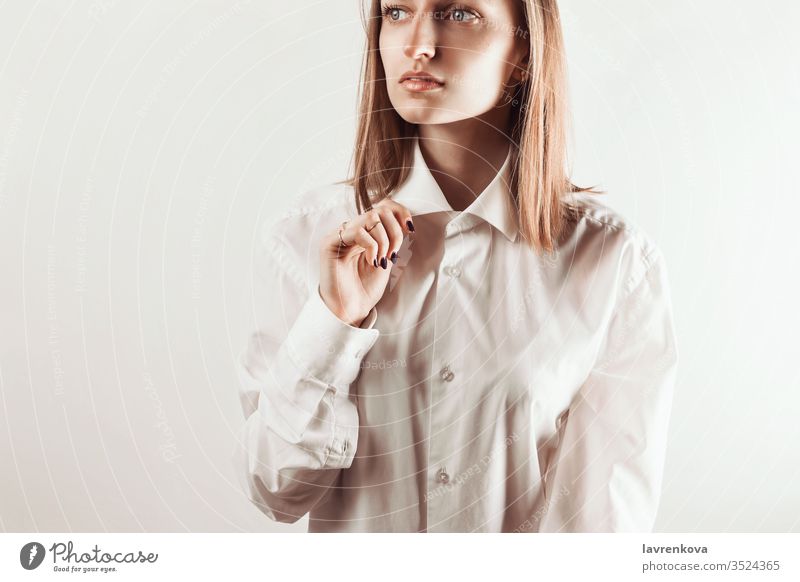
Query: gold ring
{"points": [[373, 226], [341, 240]]}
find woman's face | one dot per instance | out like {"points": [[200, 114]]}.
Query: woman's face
{"points": [[474, 49]]}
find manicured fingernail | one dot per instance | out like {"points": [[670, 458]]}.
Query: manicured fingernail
{"points": [[375, 262], [410, 225], [394, 257], [383, 262]]}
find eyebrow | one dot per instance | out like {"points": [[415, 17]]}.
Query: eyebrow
{"points": [[440, 3]]}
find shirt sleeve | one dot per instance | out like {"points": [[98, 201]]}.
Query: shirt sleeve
{"points": [[608, 466], [301, 424]]}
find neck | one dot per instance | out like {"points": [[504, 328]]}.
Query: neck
{"points": [[465, 156]]}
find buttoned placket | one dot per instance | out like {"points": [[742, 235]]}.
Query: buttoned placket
{"points": [[444, 376]]}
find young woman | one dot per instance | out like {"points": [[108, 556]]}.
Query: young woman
{"points": [[458, 338]]}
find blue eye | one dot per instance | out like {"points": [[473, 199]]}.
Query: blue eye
{"points": [[392, 12], [456, 13], [463, 15]]}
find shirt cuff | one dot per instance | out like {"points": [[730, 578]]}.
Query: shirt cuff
{"points": [[327, 348], [342, 448]]}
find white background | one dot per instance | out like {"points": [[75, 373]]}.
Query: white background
{"points": [[141, 143]]}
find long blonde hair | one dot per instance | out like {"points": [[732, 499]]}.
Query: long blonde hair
{"points": [[539, 178]]}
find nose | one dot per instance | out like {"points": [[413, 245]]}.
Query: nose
{"points": [[422, 38]]}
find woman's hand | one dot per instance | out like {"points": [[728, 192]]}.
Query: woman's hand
{"points": [[349, 282]]}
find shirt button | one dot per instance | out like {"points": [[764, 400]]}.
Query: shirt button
{"points": [[454, 272], [447, 374], [442, 476]]}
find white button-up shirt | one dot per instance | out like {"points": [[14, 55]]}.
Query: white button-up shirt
{"points": [[488, 390]]}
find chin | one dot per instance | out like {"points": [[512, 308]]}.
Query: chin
{"points": [[427, 115]]}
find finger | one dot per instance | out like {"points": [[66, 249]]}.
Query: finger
{"points": [[400, 212], [365, 241], [395, 233], [369, 221], [348, 235], [378, 233], [344, 238]]}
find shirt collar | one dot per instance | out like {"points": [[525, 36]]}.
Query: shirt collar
{"points": [[420, 193]]}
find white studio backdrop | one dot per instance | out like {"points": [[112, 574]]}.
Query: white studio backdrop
{"points": [[142, 143]]}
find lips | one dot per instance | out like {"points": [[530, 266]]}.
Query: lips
{"points": [[420, 76]]}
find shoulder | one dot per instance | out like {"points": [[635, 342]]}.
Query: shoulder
{"points": [[598, 234], [322, 206], [294, 235]]}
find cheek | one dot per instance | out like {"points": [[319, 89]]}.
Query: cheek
{"points": [[387, 48], [495, 59], [482, 76], [484, 58]]}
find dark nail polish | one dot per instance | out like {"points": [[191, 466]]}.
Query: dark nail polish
{"points": [[383, 262], [410, 225], [394, 257], [375, 262]]}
